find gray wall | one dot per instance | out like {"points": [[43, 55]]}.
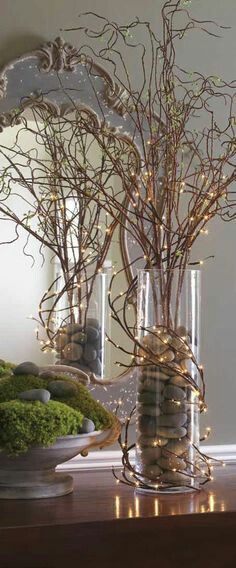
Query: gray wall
{"points": [[23, 26]]}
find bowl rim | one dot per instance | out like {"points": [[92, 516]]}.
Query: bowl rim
{"points": [[84, 435]]}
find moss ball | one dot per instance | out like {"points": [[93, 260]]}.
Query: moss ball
{"points": [[6, 368], [11, 386], [24, 424], [95, 411], [80, 399]]}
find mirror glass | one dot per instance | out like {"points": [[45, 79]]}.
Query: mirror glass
{"points": [[59, 206]]}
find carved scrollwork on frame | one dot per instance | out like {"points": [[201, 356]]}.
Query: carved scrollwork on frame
{"points": [[85, 88], [117, 98], [16, 115], [3, 86], [9, 119], [58, 56]]}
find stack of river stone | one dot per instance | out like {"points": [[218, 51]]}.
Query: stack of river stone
{"points": [[80, 346], [165, 412]]}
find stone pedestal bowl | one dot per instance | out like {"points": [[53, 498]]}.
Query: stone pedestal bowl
{"points": [[32, 475]]}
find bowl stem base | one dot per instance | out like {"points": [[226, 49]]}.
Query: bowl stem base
{"points": [[34, 484]]}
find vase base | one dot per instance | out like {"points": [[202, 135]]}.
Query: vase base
{"points": [[166, 490], [40, 486]]}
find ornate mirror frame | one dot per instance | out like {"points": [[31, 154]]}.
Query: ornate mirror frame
{"points": [[59, 76], [57, 73]]}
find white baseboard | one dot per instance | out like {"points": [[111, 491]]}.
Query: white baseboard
{"points": [[107, 459], [98, 459]]}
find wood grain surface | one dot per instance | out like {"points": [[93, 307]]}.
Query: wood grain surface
{"points": [[106, 525]]}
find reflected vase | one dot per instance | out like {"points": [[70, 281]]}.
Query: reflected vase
{"points": [[81, 324], [168, 389]]}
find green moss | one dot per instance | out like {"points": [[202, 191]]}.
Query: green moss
{"points": [[24, 424], [11, 386], [5, 368], [90, 408]]}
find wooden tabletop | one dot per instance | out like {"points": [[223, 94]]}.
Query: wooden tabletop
{"points": [[97, 497], [108, 525]]}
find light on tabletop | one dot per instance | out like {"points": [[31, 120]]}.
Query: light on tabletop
{"points": [[211, 503], [117, 506], [137, 507]]}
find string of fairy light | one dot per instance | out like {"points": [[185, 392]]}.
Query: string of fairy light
{"points": [[131, 475], [201, 469]]}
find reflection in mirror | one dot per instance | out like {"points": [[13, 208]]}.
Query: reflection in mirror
{"points": [[60, 183]]}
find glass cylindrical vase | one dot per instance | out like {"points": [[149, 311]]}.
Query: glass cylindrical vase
{"points": [[81, 323], [168, 321]]}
